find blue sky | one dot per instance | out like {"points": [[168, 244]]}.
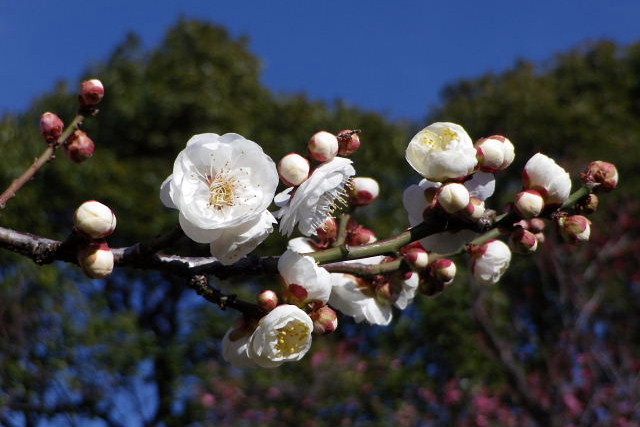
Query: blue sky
{"points": [[391, 56]]}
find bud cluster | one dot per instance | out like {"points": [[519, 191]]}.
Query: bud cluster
{"points": [[95, 221]]}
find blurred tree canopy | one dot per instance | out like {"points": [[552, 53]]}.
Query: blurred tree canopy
{"points": [[141, 349]]}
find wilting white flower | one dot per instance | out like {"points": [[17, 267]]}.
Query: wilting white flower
{"points": [[304, 280], [490, 261], [416, 200], [283, 335], [440, 151], [312, 202], [543, 174], [222, 186]]}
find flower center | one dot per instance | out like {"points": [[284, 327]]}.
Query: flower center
{"points": [[292, 338], [438, 141], [222, 189]]}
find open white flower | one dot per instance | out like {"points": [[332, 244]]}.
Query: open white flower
{"points": [[234, 348], [416, 200], [490, 261], [440, 151], [312, 202], [543, 174], [283, 335], [222, 186], [304, 280]]}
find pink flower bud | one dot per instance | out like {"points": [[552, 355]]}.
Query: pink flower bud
{"points": [[325, 320], [94, 220], [79, 147], [96, 260], [51, 127], [364, 190], [523, 241], [293, 169], [268, 300], [575, 228], [361, 236], [536, 225], [453, 197], [91, 92], [348, 142], [601, 175], [475, 209], [443, 270], [323, 146], [416, 257], [494, 153], [528, 203], [588, 204]]}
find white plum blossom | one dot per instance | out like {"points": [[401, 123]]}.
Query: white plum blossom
{"points": [[543, 174], [94, 219], [235, 344], [304, 280], [441, 151], [490, 261], [222, 186], [495, 153], [312, 202], [415, 200], [283, 335]]}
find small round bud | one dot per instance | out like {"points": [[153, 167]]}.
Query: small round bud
{"points": [[417, 258], [96, 260], [325, 320], [51, 127], [494, 153], [268, 300], [443, 270], [323, 146], [364, 191], [528, 203], [453, 197], [601, 175], [94, 220], [79, 147], [91, 92], [361, 236], [575, 228], [348, 142], [328, 232], [293, 169], [588, 205], [475, 209], [523, 241], [536, 225]]}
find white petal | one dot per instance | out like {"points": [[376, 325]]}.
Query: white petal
{"points": [[236, 242], [482, 185], [197, 234]]}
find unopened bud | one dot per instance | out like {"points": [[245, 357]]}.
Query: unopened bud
{"points": [[293, 169], [417, 258], [323, 146], [575, 228], [536, 225], [96, 260], [588, 204], [601, 175], [364, 190], [79, 147], [453, 197], [523, 241], [348, 142], [361, 236], [443, 270], [94, 220], [91, 92], [268, 300], [51, 127], [494, 153], [529, 203], [475, 209], [325, 320]]}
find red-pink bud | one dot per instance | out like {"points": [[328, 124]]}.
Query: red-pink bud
{"points": [[364, 191], [328, 232], [268, 300], [528, 203], [443, 270], [536, 225], [601, 176], [575, 228], [416, 257], [348, 142], [92, 92], [361, 236], [323, 146], [51, 127], [325, 320], [523, 241], [79, 147]]}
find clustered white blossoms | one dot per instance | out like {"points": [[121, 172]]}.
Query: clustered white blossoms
{"points": [[222, 187]]}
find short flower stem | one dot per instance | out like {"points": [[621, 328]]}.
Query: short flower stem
{"points": [[45, 157]]}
